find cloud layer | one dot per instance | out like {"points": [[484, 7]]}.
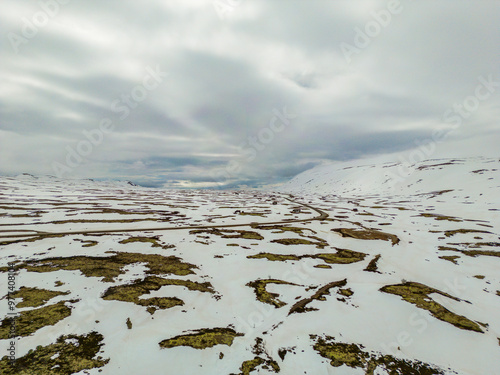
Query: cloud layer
{"points": [[229, 93]]}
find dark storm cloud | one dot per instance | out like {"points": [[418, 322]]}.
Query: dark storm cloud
{"points": [[213, 122]]}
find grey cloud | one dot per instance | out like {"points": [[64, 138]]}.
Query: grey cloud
{"points": [[227, 78]]}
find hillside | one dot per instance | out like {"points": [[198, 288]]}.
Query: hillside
{"points": [[476, 176]]}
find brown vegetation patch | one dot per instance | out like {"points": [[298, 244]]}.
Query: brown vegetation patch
{"points": [[367, 234], [342, 256], [203, 338], [450, 233], [263, 295], [353, 356], [301, 306], [134, 291], [154, 241], [450, 258], [441, 217], [31, 321], [300, 241], [261, 359], [372, 266], [68, 355], [108, 267], [418, 295], [226, 233], [34, 297]]}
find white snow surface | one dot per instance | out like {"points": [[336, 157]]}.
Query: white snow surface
{"points": [[425, 209], [476, 175]]}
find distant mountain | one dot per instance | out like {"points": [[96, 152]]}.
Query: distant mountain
{"points": [[88, 182]]}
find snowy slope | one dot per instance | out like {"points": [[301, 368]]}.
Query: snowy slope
{"points": [[464, 176], [328, 277]]}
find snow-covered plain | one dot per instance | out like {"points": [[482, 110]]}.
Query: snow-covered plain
{"points": [[284, 291]]}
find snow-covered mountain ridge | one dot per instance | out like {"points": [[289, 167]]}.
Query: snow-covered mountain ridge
{"points": [[476, 176]]}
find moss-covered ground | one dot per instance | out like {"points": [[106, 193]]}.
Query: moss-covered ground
{"points": [[418, 295], [108, 267], [263, 295], [367, 234], [68, 355], [342, 256], [373, 266], [301, 306], [154, 241], [203, 338], [34, 297], [441, 217], [320, 244], [450, 233], [353, 355], [30, 321], [450, 258], [261, 360], [134, 291], [226, 233]]}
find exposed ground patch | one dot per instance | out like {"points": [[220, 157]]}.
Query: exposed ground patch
{"points": [[226, 233], [203, 338], [450, 258], [320, 244], [31, 321], [251, 365], [342, 256], [372, 266], [323, 266], [436, 193], [471, 253], [301, 306], [475, 253], [68, 355], [353, 356], [441, 217], [102, 221], [34, 297], [108, 267], [134, 291], [478, 245], [450, 233], [154, 241], [283, 229], [367, 234], [261, 214], [262, 359], [35, 238], [263, 295], [276, 257], [87, 243], [418, 295]]}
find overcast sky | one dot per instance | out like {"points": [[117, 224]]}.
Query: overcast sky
{"points": [[229, 93]]}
